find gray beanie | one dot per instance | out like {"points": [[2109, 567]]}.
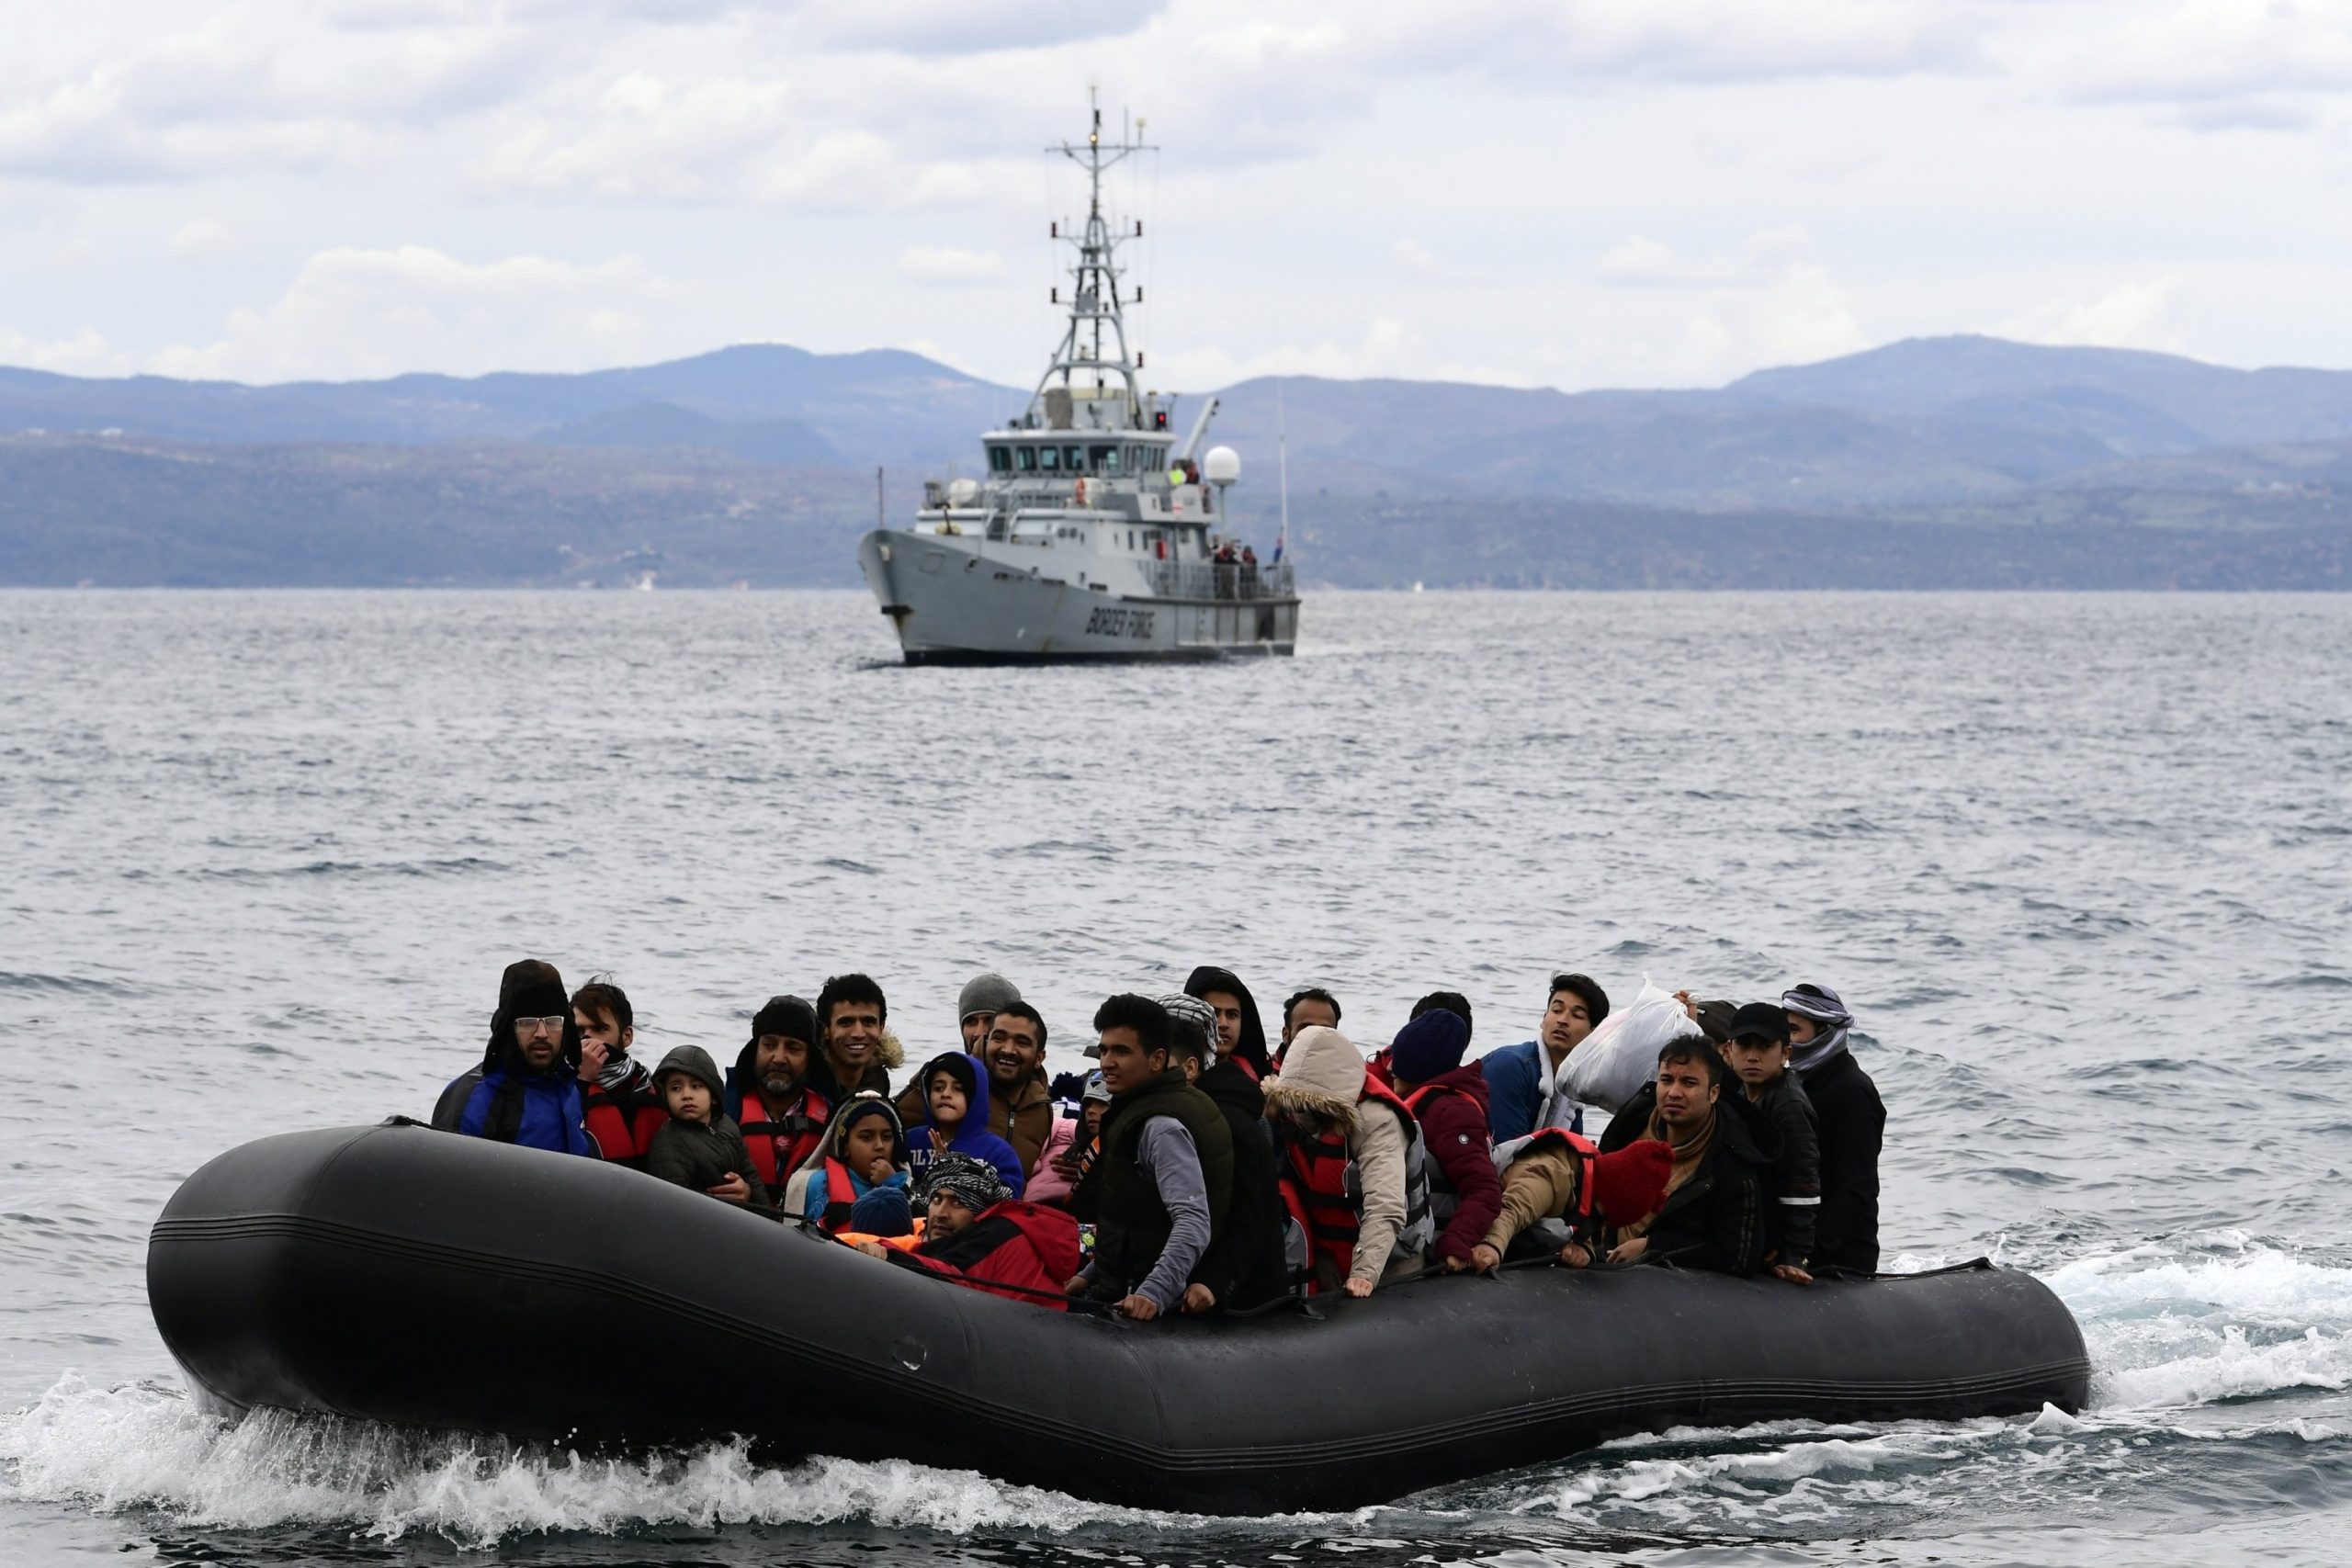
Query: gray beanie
{"points": [[990, 992]]}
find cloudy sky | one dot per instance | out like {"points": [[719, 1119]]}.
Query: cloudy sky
{"points": [[1576, 193]]}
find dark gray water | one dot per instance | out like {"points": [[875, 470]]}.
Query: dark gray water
{"points": [[2083, 866]]}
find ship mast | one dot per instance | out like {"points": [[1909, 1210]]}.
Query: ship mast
{"points": [[1095, 344]]}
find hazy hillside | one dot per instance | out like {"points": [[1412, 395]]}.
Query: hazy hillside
{"points": [[1949, 461]]}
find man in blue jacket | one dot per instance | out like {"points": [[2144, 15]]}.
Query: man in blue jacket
{"points": [[1520, 1079], [527, 1089]]}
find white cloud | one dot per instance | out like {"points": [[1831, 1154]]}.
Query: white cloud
{"points": [[1414, 260], [2139, 315], [204, 239], [356, 313], [945, 263], [86, 353]]}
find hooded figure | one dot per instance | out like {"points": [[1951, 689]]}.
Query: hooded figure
{"points": [[781, 1137], [1344, 1162], [504, 1099], [1243, 1266], [1250, 1049], [699, 1154], [816, 1191], [1853, 1129], [968, 1136]]}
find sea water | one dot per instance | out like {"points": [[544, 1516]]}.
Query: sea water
{"points": [[2082, 865]]}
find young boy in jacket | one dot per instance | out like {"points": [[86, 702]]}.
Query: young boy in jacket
{"points": [[699, 1147], [956, 1116], [978, 1234], [1450, 1102], [1757, 1051]]}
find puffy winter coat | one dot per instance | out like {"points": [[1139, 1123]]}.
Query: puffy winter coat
{"points": [[1023, 1245]]}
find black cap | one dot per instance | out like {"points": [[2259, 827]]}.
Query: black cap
{"points": [[1759, 1021]]}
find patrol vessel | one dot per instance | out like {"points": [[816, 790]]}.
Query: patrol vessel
{"points": [[1094, 532]]}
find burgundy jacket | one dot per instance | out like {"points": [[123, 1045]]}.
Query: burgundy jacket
{"points": [[1454, 1129]]}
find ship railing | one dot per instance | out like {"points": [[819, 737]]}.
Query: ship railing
{"points": [[1239, 581]]}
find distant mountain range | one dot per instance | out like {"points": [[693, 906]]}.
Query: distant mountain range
{"points": [[1959, 462]]}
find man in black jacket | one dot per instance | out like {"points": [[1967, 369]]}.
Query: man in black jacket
{"points": [[1853, 1127], [1717, 1212], [1243, 1266]]}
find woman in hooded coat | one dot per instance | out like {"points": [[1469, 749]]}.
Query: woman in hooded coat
{"points": [[1324, 1108]]}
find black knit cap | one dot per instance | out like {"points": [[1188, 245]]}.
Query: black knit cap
{"points": [[787, 1016]]}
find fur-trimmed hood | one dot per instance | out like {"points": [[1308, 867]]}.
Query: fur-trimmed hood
{"points": [[1322, 1078]]}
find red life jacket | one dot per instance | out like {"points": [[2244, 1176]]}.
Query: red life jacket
{"points": [[1319, 1187], [623, 1131], [841, 1197], [779, 1145]]}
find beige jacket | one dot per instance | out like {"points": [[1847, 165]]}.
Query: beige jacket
{"points": [[1322, 1079]]}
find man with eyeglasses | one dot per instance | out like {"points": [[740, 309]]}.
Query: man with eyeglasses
{"points": [[526, 1090]]}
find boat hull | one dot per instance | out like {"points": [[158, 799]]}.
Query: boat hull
{"points": [[950, 603], [401, 1275]]}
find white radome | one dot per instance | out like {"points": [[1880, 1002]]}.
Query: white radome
{"points": [[1221, 466], [963, 493]]}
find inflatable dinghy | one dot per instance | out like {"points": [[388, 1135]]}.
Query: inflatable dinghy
{"points": [[402, 1275]]}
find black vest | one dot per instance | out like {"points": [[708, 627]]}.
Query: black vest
{"points": [[1132, 1225]]}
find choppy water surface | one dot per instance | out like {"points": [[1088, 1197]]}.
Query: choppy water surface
{"points": [[2082, 865]]}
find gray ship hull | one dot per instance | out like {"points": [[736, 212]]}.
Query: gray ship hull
{"points": [[952, 604]]}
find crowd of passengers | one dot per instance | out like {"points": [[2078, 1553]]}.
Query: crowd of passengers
{"points": [[1198, 1169]]}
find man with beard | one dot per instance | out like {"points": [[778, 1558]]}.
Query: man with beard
{"points": [[1020, 1108], [1853, 1127], [1240, 1037], [1522, 1080], [857, 1052], [769, 1096], [1718, 1195], [619, 1105], [526, 1090]]}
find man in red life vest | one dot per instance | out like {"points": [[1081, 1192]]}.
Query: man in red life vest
{"points": [[783, 1118], [620, 1106]]}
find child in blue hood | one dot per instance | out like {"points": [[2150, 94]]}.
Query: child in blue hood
{"points": [[955, 1106]]}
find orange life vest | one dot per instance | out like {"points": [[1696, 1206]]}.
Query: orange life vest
{"points": [[778, 1145], [841, 1197]]}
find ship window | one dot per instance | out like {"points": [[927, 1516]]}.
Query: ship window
{"points": [[999, 460], [1074, 460], [1104, 459], [1049, 458], [1028, 456]]}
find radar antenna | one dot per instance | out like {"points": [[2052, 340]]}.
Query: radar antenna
{"points": [[1095, 372]]}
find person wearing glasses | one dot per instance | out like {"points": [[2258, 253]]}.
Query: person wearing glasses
{"points": [[527, 1089]]}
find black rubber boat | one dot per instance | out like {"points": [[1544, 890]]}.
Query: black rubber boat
{"points": [[407, 1276]]}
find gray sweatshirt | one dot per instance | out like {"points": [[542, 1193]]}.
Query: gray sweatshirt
{"points": [[1165, 1151]]}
